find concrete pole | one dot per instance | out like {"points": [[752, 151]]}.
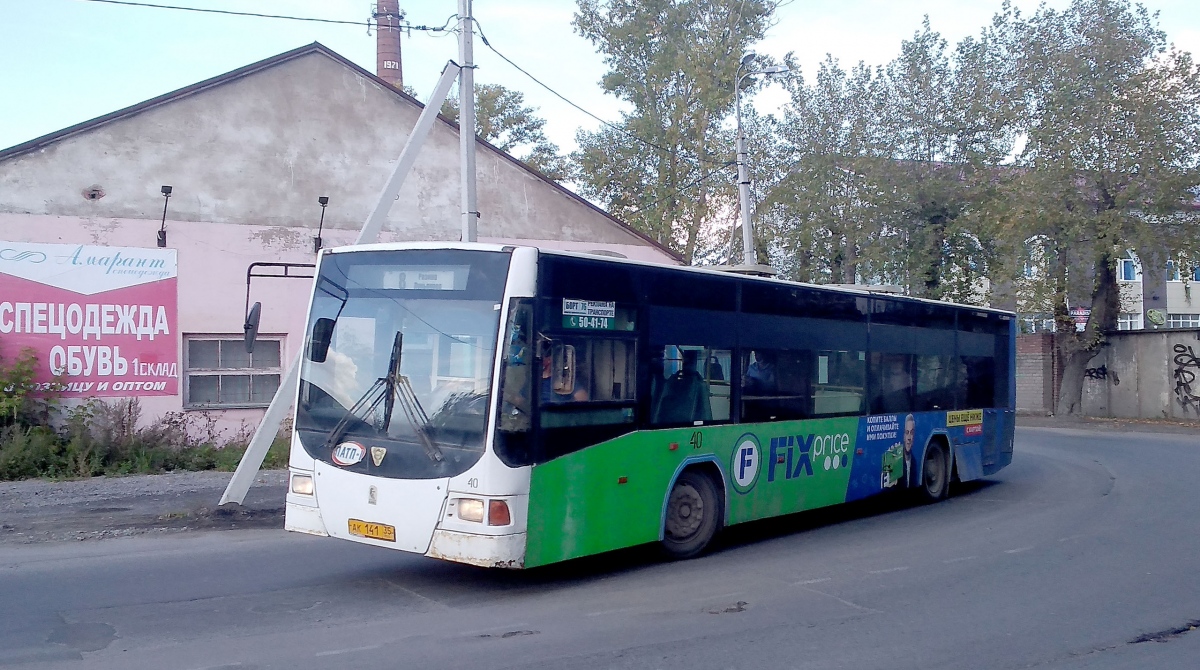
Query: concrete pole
{"points": [[289, 385], [466, 121]]}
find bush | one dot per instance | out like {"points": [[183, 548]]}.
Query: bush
{"points": [[99, 438], [22, 402]]}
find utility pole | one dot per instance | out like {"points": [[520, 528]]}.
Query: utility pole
{"points": [[256, 451], [466, 121]]}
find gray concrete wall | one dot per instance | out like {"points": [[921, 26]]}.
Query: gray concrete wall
{"points": [[258, 150], [1146, 374], [1183, 298]]}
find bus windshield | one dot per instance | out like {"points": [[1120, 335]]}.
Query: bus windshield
{"points": [[398, 360]]}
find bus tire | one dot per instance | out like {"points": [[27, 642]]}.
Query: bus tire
{"points": [[693, 515], [935, 473]]}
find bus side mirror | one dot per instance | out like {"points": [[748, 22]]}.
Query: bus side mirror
{"points": [[563, 377], [250, 327], [322, 334]]}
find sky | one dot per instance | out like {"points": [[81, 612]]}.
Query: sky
{"points": [[67, 61]]}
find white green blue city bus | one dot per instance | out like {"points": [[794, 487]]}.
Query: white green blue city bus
{"points": [[514, 407]]}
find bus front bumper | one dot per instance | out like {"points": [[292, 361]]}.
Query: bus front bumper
{"points": [[302, 518], [488, 551]]}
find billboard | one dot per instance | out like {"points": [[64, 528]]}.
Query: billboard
{"points": [[103, 320]]}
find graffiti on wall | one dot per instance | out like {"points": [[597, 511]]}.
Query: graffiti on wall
{"points": [[1097, 373], [1187, 364]]}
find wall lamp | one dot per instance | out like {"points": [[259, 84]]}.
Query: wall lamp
{"points": [[323, 201], [162, 230]]}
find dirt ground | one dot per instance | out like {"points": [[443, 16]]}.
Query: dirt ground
{"points": [[51, 511]]}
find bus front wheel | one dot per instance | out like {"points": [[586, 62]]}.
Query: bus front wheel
{"points": [[693, 515], [935, 473]]}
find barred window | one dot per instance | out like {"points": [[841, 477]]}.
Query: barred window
{"points": [[220, 374]]}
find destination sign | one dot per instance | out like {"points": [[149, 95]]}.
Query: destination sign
{"points": [[607, 310]]}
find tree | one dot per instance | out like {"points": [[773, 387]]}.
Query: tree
{"points": [[1110, 160], [664, 168], [503, 119], [821, 211], [885, 174]]}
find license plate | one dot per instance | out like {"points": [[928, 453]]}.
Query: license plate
{"points": [[375, 531]]}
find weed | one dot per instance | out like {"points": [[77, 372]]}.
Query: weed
{"points": [[98, 438]]}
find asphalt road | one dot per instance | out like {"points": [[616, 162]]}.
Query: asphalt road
{"points": [[1085, 553]]}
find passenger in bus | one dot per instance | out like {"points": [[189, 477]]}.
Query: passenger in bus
{"points": [[715, 372], [685, 394], [760, 377], [549, 394], [895, 386]]}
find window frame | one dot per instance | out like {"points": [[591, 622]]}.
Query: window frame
{"points": [[1131, 321], [1177, 320], [249, 372], [1137, 270]]}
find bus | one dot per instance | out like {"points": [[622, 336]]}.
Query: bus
{"points": [[509, 406]]}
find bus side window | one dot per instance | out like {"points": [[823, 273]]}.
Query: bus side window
{"points": [[891, 383], [839, 383], [978, 387], [516, 380], [776, 384], [586, 381], [690, 387], [935, 383]]}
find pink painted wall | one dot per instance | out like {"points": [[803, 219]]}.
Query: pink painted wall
{"points": [[213, 258]]}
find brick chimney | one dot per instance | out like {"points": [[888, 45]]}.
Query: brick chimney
{"points": [[387, 42]]}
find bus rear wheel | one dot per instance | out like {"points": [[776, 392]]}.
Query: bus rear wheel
{"points": [[935, 473], [693, 515]]}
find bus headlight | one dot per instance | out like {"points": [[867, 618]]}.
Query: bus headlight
{"points": [[302, 484], [470, 509]]}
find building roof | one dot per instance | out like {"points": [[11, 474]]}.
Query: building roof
{"points": [[317, 48]]}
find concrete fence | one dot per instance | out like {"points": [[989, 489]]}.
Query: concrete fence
{"points": [[1150, 374]]}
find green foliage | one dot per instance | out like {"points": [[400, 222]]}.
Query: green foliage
{"points": [[665, 168], [503, 119], [881, 175], [22, 400], [105, 439]]}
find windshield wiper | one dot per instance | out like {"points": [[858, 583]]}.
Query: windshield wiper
{"points": [[387, 389]]}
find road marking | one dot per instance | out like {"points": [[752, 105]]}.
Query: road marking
{"points": [[335, 652], [616, 611], [843, 601], [812, 581], [960, 559], [887, 570], [1017, 550]]}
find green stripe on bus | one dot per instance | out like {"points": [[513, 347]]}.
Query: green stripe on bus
{"points": [[611, 495]]}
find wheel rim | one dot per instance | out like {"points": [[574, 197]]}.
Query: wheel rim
{"points": [[935, 472], [685, 512]]}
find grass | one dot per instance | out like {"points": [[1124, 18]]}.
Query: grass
{"points": [[100, 438]]}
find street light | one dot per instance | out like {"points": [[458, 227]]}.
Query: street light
{"points": [[323, 201], [162, 230], [743, 171]]}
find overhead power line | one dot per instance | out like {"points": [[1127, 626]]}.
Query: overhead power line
{"points": [[444, 28], [609, 124]]}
